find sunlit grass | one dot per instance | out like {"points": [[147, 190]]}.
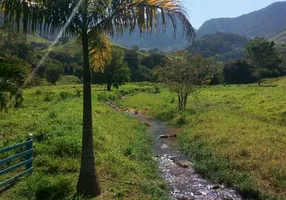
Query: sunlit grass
{"points": [[233, 129], [122, 146]]}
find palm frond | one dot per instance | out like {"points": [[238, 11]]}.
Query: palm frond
{"points": [[125, 15], [100, 50]]}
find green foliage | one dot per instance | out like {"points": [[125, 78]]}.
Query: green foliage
{"points": [[115, 73], [68, 80], [45, 187], [64, 95], [263, 57], [123, 149], [234, 134], [53, 73], [14, 43], [153, 60], [237, 72], [132, 60], [220, 46], [13, 74], [183, 72]]}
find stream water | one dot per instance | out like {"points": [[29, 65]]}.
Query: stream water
{"points": [[175, 167]]}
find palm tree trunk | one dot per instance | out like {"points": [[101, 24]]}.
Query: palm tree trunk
{"points": [[88, 183]]}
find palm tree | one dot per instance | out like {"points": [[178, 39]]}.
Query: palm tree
{"points": [[93, 19]]}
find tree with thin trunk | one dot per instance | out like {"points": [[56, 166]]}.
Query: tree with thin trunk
{"points": [[92, 20], [184, 73]]}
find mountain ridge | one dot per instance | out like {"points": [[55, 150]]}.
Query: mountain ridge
{"points": [[265, 22]]}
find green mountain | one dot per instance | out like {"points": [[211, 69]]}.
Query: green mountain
{"points": [[220, 46], [266, 22]]}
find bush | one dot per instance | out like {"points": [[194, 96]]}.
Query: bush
{"points": [[68, 146], [43, 187], [157, 90], [48, 96], [181, 119], [39, 92], [64, 95], [106, 97]]}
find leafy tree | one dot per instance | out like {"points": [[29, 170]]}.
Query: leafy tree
{"points": [[184, 73], [116, 71], [282, 67], [12, 77], [220, 46], [153, 60], [14, 43], [237, 72], [93, 18], [53, 73], [263, 57], [132, 61]]}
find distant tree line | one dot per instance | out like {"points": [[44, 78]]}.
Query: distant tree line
{"points": [[238, 60]]}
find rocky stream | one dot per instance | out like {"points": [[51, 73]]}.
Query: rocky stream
{"points": [[177, 170]]}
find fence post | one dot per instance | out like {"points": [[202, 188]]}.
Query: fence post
{"points": [[28, 147]]}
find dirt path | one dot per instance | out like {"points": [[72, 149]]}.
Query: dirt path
{"points": [[185, 183]]}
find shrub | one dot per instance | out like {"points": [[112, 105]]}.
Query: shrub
{"points": [[64, 95], [48, 96], [39, 92], [66, 146], [157, 90], [43, 187], [181, 119], [106, 97]]}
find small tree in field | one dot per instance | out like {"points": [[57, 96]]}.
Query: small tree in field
{"points": [[184, 72], [54, 73]]}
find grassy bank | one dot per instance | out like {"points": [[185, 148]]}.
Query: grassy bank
{"points": [[234, 134], [54, 116]]}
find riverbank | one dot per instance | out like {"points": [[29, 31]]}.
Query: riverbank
{"points": [[124, 156], [234, 134]]}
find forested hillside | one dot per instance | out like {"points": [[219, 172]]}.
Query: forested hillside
{"points": [[220, 46], [266, 22]]}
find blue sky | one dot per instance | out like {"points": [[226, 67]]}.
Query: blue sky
{"points": [[201, 10]]}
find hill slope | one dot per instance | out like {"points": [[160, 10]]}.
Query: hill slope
{"points": [[280, 38], [221, 46], [266, 22]]}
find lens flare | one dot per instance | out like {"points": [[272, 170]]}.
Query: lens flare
{"points": [[59, 35]]}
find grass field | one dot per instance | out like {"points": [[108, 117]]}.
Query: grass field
{"points": [[233, 134], [53, 114], [73, 47], [37, 39]]}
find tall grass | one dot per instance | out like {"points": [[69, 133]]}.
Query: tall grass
{"points": [[234, 134], [123, 150]]}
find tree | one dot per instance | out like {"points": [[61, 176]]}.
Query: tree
{"points": [[184, 73], [237, 72], [153, 60], [90, 19], [263, 57], [220, 46], [132, 61], [14, 43], [53, 73], [117, 72], [12, 76]]}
